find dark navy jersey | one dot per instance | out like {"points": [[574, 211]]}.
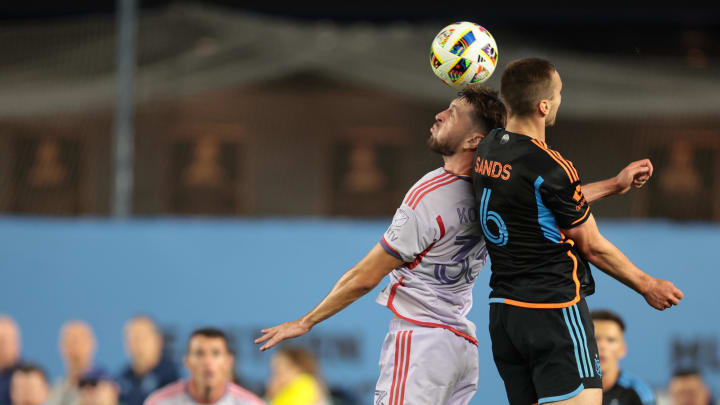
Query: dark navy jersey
{"points": [[629, 390], [526, 193]]}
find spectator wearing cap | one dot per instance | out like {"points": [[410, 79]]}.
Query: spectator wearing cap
{"points": [[9, 355], [148, 369], [687, 387], [29, 385], [97, 388], [77, 347]]}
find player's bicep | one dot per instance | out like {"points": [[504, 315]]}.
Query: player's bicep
{"points": [[586, 235], [377, 264]]}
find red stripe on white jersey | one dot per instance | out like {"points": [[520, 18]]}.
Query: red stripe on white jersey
{"points": [[435, 186], [422, 254], [423, 323], [395, 368], [421, 185], [407, 363], [419, 190]]}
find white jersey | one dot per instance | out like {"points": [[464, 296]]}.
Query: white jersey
{"points": [[436, 232], [177, 394]]}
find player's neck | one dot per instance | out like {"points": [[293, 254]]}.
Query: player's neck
{"points": [[610, 377], [533, 127], [459, 164], [205, 395]]}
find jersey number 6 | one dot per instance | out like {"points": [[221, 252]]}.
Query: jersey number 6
{"points": [[486, 216]]}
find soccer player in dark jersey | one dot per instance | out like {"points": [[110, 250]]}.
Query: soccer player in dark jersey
{"points": [[539, 233], [619, 386]]}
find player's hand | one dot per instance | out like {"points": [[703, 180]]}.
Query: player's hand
{"points": [[636, 174], [277, 334], [662, 294]]}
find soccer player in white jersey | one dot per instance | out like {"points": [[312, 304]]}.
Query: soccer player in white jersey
{"points": [[433, 250], [210, 363]]}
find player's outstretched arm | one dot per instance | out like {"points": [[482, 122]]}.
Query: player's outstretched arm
{"points": [[660, 294], [355, 283], [636, 174]]}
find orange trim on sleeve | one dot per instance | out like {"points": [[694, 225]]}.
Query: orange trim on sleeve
{"points": [[587, 210], [553, 305]]}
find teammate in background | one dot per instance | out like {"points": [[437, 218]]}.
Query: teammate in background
{"points": [[433, 250], [539, 232], [210, 363], [619, 387]]}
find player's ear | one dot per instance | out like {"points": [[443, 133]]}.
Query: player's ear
{"points": [[473, 141], [544, 107], [623, 350]]}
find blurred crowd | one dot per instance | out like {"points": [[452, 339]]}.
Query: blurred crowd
{"points": [[150, 377]]}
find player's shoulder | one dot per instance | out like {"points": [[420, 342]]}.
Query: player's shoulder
{"points": [[551, 164], [167, 394], [424, 191], [241, 396], [643, 389]]}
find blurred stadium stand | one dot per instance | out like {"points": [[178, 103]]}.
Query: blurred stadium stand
{"points": [[236, 112]]}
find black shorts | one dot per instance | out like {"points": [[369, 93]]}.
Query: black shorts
{"points": [[544, 355]]}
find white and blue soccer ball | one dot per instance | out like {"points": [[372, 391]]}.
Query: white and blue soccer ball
{"points": [[463, 54]]}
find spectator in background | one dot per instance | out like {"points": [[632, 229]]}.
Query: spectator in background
{"points": [[688, 388], [77, 347], [619, 386], [295, 379], [9, 355], [210, 363], [29, 385], [148, 370], [97, 388]]}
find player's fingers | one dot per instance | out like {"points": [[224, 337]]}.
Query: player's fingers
{"points": [[275, 340], [649, 164], [264, 337], [678, 294], [674, 301]]}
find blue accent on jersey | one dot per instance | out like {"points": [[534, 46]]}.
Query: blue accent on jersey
{"points": [[646, 394], [545, 216], [584, 338], [561, 397], [575, 344]]}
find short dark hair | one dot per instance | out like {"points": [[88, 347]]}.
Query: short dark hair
{"points": [[607, 315], [27, 368], [524, 83], [488, 111], [686, 372], [211, 333]]}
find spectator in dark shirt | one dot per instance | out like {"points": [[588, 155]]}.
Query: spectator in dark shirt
{"points": [[9, 355], [148, 369], [619, 386]]}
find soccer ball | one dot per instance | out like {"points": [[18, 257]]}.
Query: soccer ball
{"points": [[463, 54]]}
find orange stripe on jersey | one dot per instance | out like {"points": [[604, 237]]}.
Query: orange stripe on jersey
{"points": [[566, 164], [587, 210], [559, 160], [553, 305]]}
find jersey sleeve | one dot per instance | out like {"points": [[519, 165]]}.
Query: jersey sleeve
{"points": [[561, 191], [409, 234]]}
